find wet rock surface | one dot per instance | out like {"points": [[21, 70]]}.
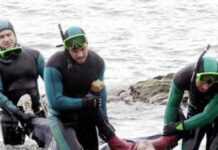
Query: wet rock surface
{"points": [[153, 91]]}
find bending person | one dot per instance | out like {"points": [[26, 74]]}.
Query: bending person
{"points": [[200, 80], [76, 108], [20, 68]]}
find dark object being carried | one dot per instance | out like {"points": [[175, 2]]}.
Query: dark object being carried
{"points": [[15, 133]]}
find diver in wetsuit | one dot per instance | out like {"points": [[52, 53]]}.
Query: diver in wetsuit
{"points": [[20, 68], [202, 108], [75, 108]]}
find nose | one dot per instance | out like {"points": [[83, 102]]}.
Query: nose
{"points": [[80, 54], [205, 87], [6, 38]]}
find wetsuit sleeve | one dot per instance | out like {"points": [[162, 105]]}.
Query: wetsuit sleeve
{"points": [[40, 65], [174, 100], [54, 91], [103, 94], [181, 82], [4, 101], [206, 117]]}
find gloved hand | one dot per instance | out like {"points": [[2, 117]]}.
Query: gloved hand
{"points": [[173, 128], [115, 143], [23, 117], [164, 142], [91, 101], [25, 120]]}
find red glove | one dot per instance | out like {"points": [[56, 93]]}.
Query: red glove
{"points": [[164, 142]]}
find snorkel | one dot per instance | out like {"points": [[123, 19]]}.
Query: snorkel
{"points": [[61, 31], [197, 65], [62, 35]]}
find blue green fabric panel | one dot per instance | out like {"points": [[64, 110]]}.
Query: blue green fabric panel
{"points": [[58, 134], [103, 94], [54, 89]]}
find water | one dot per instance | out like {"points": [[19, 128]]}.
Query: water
{"points": [[139, 120], [138, 39]]}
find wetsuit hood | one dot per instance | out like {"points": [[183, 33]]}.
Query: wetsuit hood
{"points": [[210, 64], [6, 25]]}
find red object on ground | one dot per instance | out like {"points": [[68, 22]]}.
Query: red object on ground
{"points": [[119, 144]]}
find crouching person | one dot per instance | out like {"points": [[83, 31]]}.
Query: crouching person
{"points": [[20, 68]]}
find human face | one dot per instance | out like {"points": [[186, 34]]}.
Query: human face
{"points": [[79, 55], [205, 80], [203, 87], [7, 39]]}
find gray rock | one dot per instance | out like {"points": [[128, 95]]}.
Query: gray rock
{"points": [[152, 91]]}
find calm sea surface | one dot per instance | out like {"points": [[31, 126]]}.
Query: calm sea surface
{"points": [[137, 38]]}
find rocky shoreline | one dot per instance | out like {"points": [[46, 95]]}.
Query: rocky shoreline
{"points": [[153, 91]]}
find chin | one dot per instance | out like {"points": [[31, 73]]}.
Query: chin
{"points": [[202, 90], [10, 46], [81, 61]]}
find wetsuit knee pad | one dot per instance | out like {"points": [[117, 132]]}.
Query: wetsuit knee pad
{"points": [[12, 133]]}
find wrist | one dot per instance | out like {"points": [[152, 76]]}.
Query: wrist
{"points": [[174, 128], [86, 102], [180, 126]]}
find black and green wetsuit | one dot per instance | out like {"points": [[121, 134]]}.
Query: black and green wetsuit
{"points": [[18, 76], [66, 84], [202, 109]]}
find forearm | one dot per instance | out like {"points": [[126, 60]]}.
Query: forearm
{"points": [[103, 95], [64, 103], [206, 117], [10, 108], [5, 102]]}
